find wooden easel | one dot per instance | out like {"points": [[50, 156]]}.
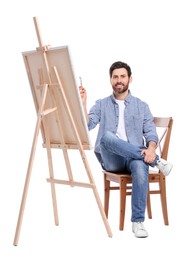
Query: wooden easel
{"points": [[45, 87]]}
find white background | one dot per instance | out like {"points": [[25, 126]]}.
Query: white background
{"points": [[155, 39]]}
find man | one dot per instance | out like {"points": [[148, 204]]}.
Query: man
{"points": [[126, 139]]}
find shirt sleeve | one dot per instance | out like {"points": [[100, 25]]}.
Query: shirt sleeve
{"points": [[150, 133], [94, 115]]}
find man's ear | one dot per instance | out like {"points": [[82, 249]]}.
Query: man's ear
{"points": [[130, 79]]}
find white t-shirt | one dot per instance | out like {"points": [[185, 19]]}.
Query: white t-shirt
{"points": [[121, 133]]}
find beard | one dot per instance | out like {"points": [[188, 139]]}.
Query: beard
{"points": [[120, 88]]}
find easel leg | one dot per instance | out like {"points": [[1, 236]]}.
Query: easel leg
{"points": [[29, 171], [64, 150], [83, 155], [104, 217], [50, 165], [96, 194]]}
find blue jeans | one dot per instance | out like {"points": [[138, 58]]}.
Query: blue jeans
{"points": [[118, 155]]}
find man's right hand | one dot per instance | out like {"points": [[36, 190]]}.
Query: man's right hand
{"points": [[83, 94]]}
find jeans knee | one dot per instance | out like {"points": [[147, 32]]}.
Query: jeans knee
{"points": [[107, 137]]}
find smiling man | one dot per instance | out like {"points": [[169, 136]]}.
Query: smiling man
{"points": [[126, 139]]}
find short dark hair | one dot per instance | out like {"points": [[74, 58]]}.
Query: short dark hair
{"points": [[119, 65]]}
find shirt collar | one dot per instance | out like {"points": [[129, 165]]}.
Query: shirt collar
{"points": [[127, 100]]}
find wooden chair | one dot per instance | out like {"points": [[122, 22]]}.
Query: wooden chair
{"points": [[124, 180]]}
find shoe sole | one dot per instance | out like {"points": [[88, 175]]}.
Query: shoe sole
{"points": [[140, 236]]}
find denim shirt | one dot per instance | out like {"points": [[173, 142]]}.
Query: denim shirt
{"points": [[139, 125]]}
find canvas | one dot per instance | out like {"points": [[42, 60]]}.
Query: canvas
{"points": [[60, 59]]}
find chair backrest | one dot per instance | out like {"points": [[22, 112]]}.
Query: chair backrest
{"points": [[164, 128]]}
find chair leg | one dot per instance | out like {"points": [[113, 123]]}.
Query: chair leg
{"points": [[106, 195], [123, 189], [164, 200]]}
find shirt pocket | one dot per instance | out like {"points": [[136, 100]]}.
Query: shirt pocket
{"points": [[135, 123]]}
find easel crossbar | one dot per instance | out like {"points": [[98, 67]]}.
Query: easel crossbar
{"points": [[67, 146], [72, 183], [48, 111]]}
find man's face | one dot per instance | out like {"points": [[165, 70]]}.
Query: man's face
{"points": [[120, 80]]}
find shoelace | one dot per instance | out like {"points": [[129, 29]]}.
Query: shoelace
{"points": [[140, 226]]}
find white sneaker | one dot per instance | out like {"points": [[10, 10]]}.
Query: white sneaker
{"points": [[139, 230], [164, 166]]}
